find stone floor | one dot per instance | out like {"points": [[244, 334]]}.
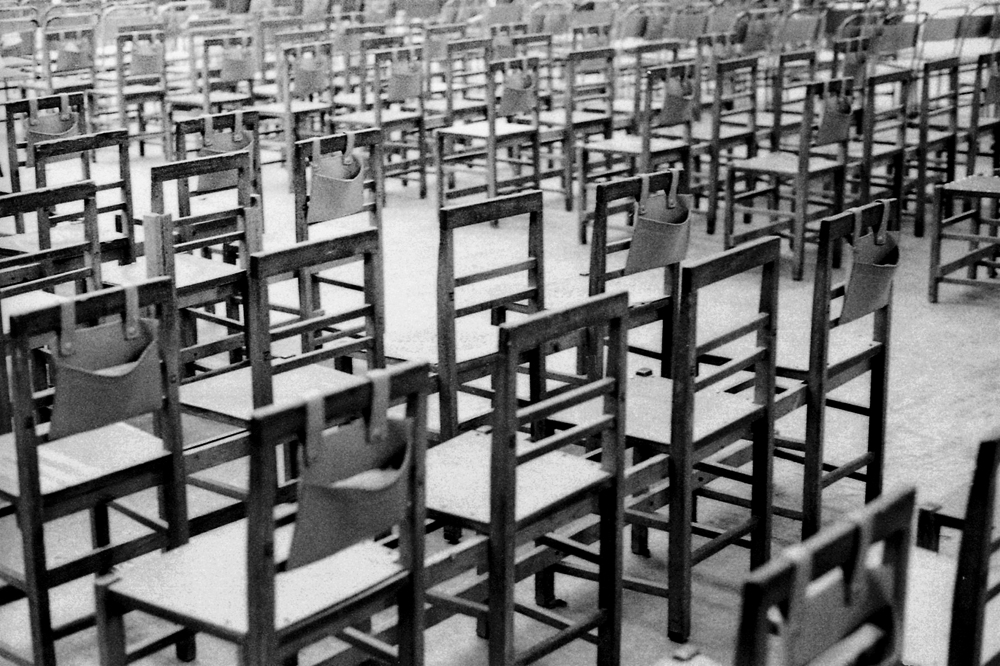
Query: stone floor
{"points": [[943, 376]]}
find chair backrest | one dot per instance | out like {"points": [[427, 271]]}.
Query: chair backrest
{"points": [[138, 54], [306, 72], [266, 30], [397, 78], [228, 63], [943, 25], [307, 159], [589, 82], [41, 202], [17, 39], [453, 305], [297, 423], [18, 115], [121, 18], [232, 130], [800, 29], [976, 557], [686, 24], [502, 75], [830, 593], [985, 101], [630, 83], [68, 58], [885, 109], [437, 37], [752, 336], [735, 95], [49, 153], [326, 333], [538, 46], [464, 72], [590, 36], [827, 117], [670, 100], [80, 350], [940, 96]]}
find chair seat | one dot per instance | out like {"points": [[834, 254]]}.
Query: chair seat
{"points": [[62, 235], [214, 97], [985, 185], [231, 393], [205, 580], [458, 479], [278, 109], [481, 129], [458, 104], [266, 90], [632, 145], [389, 116], [702, 131], [649, 405], [78, 459], [557, 117], [15, 305], [191, 272], [784, 164], [131, 90]]}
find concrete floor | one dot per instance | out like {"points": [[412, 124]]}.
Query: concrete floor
{"points": [[942, 382]]}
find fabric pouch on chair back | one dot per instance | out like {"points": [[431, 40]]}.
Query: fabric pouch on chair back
{"points": [[355, 480], [823, 612], [147, 59], [218, 143], [503, 46], [677, 105], [662, 228], [49, 126], [406, 80], [835, 125], [874, 260], [518, 94], [237, 64], [308, 76], [73, 54], [992, 94], [17, 44], [338, 183], [105, 373]]}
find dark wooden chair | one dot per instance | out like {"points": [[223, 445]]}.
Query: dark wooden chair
{"points": [[515, 489], [666, 111], [68, 57], [464, 94], [834, 599], [882, 155], [369, 144], [794, 174], [482, 141], [250, 587], [66, 467]]}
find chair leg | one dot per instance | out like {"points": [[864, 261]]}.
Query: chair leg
{"points": [[36, 588], [679, 553], [501, 596], [762, 493], [729, 219], [422, 156], [110, 625], [799, 228], [581, 195], [610, 584]]}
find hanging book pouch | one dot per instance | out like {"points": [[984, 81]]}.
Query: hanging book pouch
{"points": [[503, 46], [677, 106], [822, 611], [355, 481], [73, 54], [518, 93], [874, 260], [147, 58], [105, 373], [758, 36], [662, 228], [49, 126], [406, 80], [218, 143], [835, 125], [633, 26], [237, 64], [992, 94], [17, 44], [308, 75], [338, 183]]}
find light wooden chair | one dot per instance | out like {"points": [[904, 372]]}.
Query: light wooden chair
{"points": [[251, 587], [68, 57], [836, 601], [464, 95], [223, 128], [83, 420], [515, 489], [225, 79]]}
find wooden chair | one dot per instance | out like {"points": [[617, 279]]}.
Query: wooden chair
{"points": [[464, 97], [498, 132], [648, 148], [141, 80], [22, 131], [515, 490], [68, 58], [18, 52], [225, 80], [222, 126], [358, 65], [979, 196], [834, 600], [309, 155], [331, 333], [883, 151], [835, 361], [587, 107], [984, 114], [41, 490], [303, 105], [461, 406], [396, 79], [938, 135], [250, 587], [795, 173]]}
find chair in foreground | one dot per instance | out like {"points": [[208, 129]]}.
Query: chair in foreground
{"points": [[272, 588]]}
